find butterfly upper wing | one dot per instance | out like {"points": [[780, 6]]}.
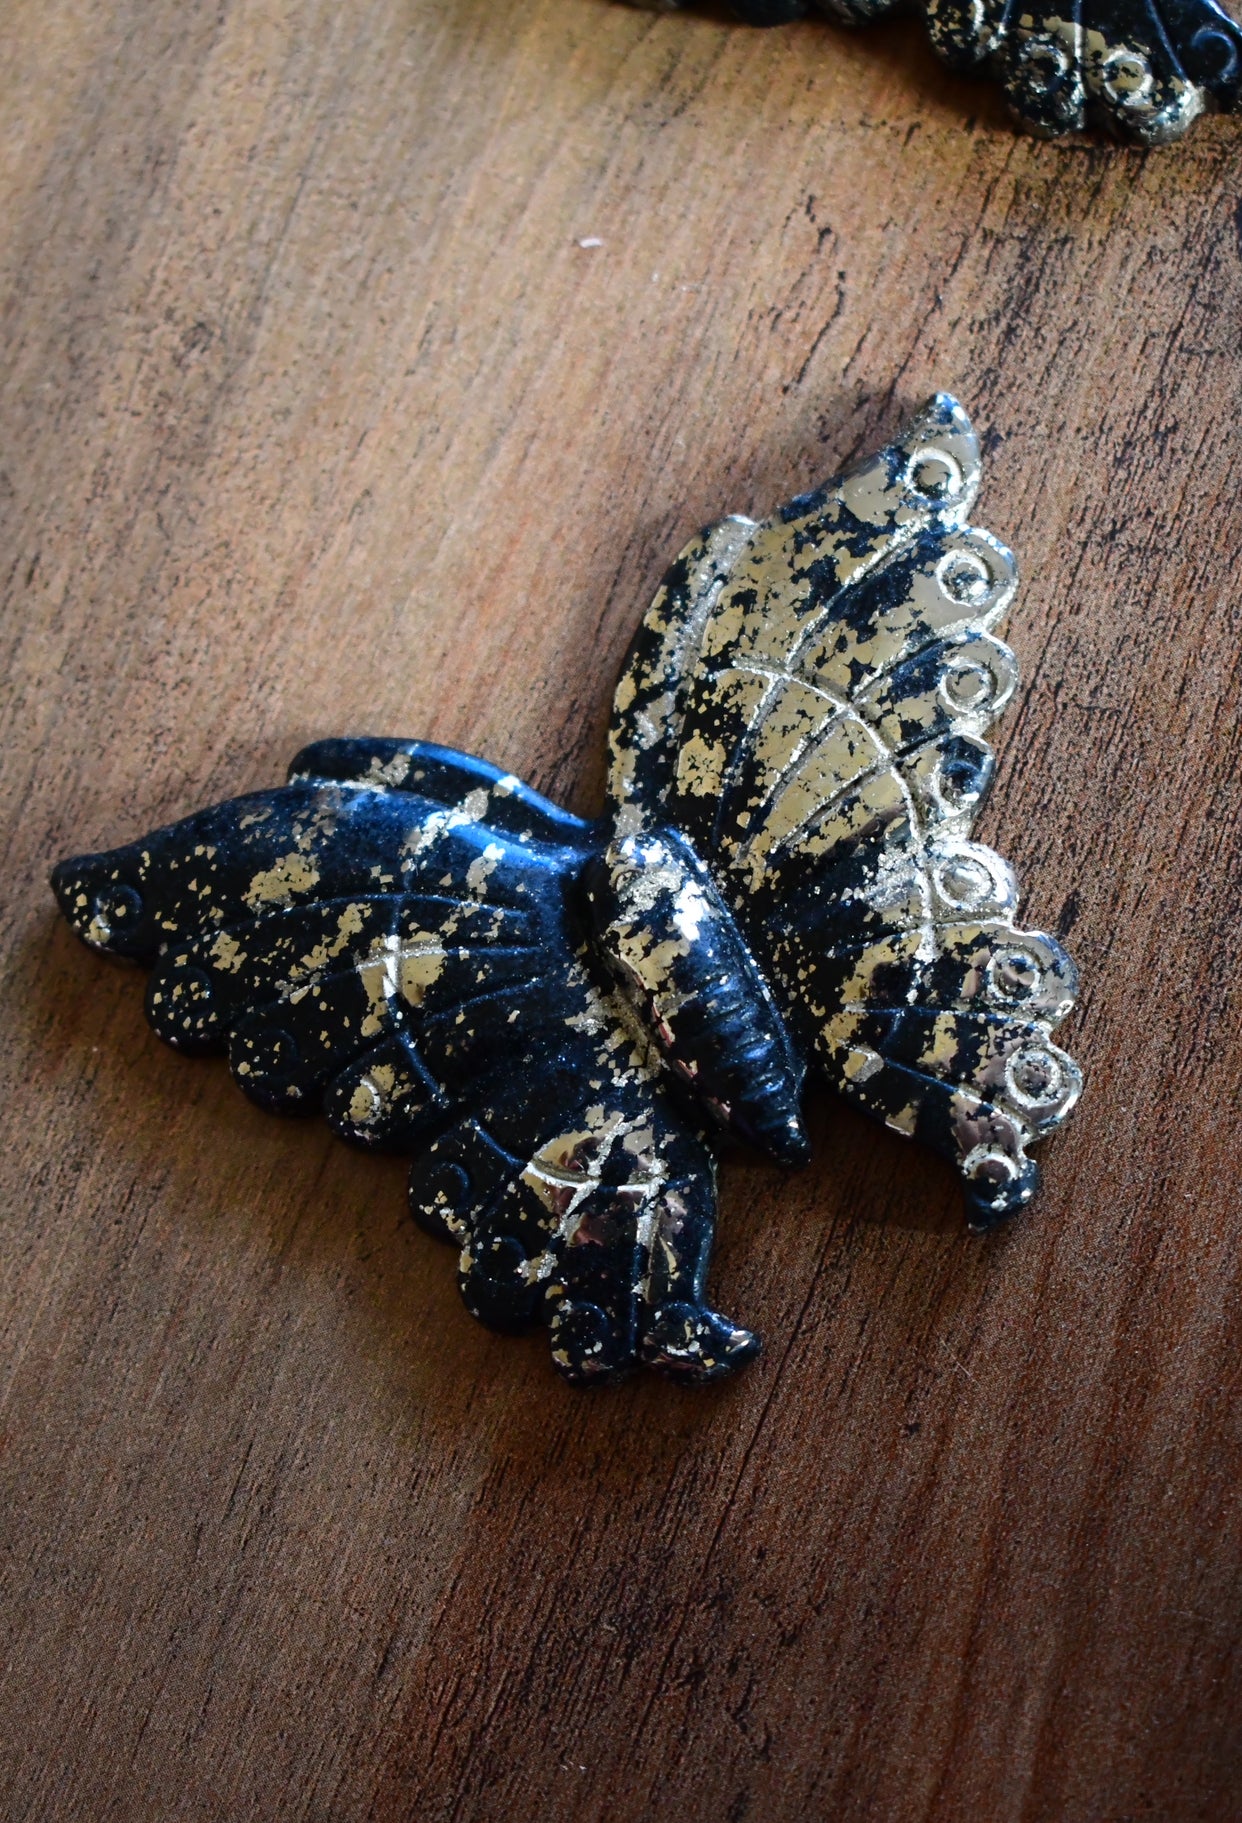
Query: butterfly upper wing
{"points": [[807, 704], [649, 708], [391, 938]]}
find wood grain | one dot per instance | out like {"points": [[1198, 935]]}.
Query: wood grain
{"points": [[318, 417]]}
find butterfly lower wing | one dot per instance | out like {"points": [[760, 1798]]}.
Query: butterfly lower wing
{"points": [[604, 1222], [829, 762], [939, 1019], [1142, 69], [390, 938]]}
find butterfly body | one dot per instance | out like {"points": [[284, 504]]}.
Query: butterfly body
{"points": [[557, 1017], [662, 926]]}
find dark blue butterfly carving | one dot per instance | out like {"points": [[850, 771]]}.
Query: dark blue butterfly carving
{"points": [[558, 1017], [1142, 69]]}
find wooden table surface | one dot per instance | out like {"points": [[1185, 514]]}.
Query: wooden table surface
{"points": [[318, 416]]}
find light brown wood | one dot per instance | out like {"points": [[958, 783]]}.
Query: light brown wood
{"points": [[318, 417]]}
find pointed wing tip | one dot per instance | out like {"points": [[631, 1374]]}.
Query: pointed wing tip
{"points": [[99, 899], [694, 1345], [948, 408], [944, 460]]}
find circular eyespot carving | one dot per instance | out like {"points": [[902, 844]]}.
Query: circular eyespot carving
{"points": [[501, 1260], [997, 1183], [1126, 78], [675, 1323], [1014, 976], [965, 578], [1034, 1078], [959, 775], [1045, 63], [968, 686], [449, 1188], [366, 1103], [582, 1344], [117, 908], [441, 1193], [1215, 55], [495, 1284], [190, 990], [959, 782], [990, 1172], [934, 474], [963, 882], [184, 1006], [270, 1055]]}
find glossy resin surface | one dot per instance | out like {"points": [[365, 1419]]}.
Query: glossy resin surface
{"points": [[559, 1018]]}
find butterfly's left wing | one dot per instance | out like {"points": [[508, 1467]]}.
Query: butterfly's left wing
{"points": [[806, 702], [392, 938]]}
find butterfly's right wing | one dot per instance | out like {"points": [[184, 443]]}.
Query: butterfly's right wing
{"points": [[807, 705]]}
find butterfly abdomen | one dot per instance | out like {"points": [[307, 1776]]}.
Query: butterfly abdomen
{"points": [[666, 934]]}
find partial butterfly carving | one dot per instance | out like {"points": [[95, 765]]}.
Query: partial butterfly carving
{"points": [[1141, 69], [561, 1018]]}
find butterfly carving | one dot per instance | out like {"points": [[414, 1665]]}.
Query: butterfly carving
{"points": [[559, 1018], [1142, 69]]}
